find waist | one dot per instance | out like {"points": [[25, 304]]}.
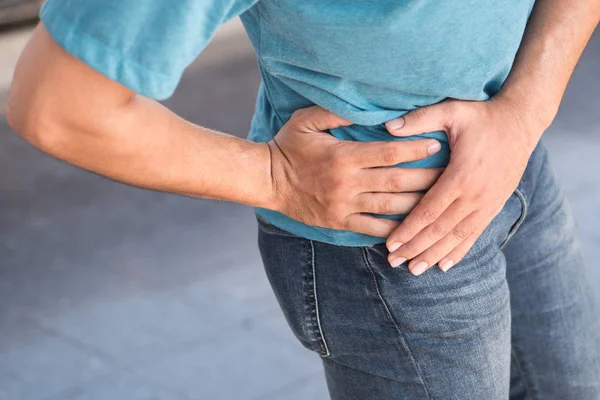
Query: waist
{"points": [[265, 127]]}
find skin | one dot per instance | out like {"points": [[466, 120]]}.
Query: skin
{"points": [[491, 141], [304, 172], [74, 113]]}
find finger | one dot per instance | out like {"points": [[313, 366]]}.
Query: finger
{"points": [[384, 154], [398, 180], [459, 252], [448, 223], [369, 225], [471, 226], [432, 205], [431, 118], [317, 119], [387, 203]]}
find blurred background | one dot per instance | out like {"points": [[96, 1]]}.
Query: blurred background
{"points": [[113, 292]]}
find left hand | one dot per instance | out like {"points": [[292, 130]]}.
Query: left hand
{"points": [[490, 144]]}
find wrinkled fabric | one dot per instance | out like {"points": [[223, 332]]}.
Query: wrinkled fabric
{"points": [[515, 319], [366, 61]]}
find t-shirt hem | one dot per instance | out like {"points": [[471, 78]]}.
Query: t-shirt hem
{"points": [[330, 236]]}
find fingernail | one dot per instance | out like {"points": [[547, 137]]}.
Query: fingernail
{"points": [[434, 147], [445, 265], [395, 123], [419, 268], [392, 247], [396, 262]]}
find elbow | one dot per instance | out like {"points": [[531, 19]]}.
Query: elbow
{"points": [[28, 122], [40, 124], [14, 118], [61, 128], [51, 107], [21, 121]]}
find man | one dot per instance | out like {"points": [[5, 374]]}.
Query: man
{"points": [[331, 165]]}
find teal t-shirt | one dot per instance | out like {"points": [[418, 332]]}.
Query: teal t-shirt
{"points": [[367, 61]]}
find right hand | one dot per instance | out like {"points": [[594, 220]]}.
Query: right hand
{"points": [[323, 181]]}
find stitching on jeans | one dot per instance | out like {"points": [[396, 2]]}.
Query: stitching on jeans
{"points": [[362, 371], [402, 338], [517, 224], [308, 292], [323, 342], [384, 306], [522, 373]]}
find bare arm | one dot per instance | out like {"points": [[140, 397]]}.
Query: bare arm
{"points": [[70, 111], [76, 114], [556, 34]]}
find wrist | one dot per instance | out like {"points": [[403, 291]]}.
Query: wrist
{"points": [[262, 189], [536, 112], [529, 119], [269, 192]]}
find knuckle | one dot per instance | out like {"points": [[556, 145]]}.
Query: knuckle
{"points": [[396, 183], [460, 233], [390, 154], [296, 115], [336, 183], [474, 199], [428, 215], [478, 197], [438, 230], [463, 180]]}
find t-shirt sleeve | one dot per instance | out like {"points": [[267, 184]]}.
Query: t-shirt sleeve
{"points": [[143, 44]]}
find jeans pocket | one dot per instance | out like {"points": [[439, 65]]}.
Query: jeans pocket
{"points": [[290, 267], [518, 193]]}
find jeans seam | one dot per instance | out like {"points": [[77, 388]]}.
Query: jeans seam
{"points": [[519, 222], [526, 384], [390, 316], [323, 342]]}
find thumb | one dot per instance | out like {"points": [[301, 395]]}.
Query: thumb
{"points": [[431, 118], [317, 118]]}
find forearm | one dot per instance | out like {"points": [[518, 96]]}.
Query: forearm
{"points": [[554, 39], [74, 113], [144, 144]]}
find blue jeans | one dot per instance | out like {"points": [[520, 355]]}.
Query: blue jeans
{"points": [[516, 319]]}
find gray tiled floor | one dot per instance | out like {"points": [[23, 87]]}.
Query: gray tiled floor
{"points": [[111, 292]]}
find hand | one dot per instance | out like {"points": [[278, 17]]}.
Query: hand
{"points": [[326, 182], [490, 146]]}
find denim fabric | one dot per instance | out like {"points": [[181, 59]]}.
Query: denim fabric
{"points": [[515, 319]]}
